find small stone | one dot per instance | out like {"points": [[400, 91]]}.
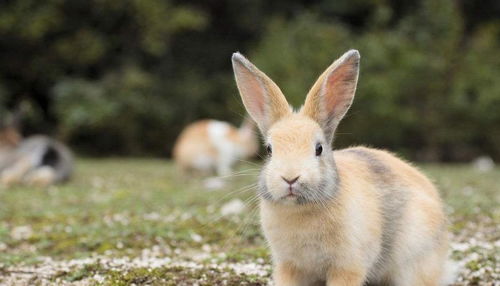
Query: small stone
{"points": [[233, 207], [196, 237], [213, 183], [21, 232], [483, 164]]}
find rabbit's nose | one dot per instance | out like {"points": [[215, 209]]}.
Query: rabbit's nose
{"points": [[290, 181]]}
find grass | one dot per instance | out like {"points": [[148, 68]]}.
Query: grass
{"points": [[136, 221]]}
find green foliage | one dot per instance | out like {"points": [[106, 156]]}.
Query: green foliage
{"points": [[117, 112], [124, 77], [414, 82], [315, 45], [476, 94], [3, 97]]}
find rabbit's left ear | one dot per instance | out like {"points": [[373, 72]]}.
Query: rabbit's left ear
{"points": [[331, 96]]}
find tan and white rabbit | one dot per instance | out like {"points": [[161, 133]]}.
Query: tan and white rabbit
{"points": [[211, 145], [346, 217]]}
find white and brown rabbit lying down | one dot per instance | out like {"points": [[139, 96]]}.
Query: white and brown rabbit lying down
{"points": [[37, 160], [346, 217]]}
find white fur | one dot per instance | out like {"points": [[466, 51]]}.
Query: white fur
{"points": [[203, 162], [227, 151]]}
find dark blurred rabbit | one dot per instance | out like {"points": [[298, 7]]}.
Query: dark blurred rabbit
{"points": [[36, 160]]}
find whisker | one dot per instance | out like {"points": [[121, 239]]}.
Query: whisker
{"points": [[246, 172], [249, 162], [244, 189], [241, 190], [243, 227]]}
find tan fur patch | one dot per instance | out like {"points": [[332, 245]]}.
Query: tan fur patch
{"points": [[191, 143]]}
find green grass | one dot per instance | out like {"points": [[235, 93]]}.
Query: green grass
{"points": [[142, 209]]}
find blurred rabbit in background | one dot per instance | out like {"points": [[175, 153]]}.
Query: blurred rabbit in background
{"points": [[36, 160], [209, 146]]}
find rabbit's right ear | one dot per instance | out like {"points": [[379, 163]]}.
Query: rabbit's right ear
{"points": [[262, 98], [332, 94]]}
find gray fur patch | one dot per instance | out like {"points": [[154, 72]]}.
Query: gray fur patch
{"points": [[376, 166], [42, 151], [317, 194], [393, 201]]}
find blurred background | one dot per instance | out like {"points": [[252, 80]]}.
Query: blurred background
{"points": [[123, 77], [119, 80]]}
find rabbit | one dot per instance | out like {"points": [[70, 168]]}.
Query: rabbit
{"points": [[355, 216], [211, 145], [37, 160]]}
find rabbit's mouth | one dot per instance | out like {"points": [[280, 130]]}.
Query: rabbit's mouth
{"points": [[294, 195], [291, 192], [301, 192], [290, 195], [292, 198]]}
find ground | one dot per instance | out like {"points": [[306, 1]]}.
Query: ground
{"points": [[136, 221]]}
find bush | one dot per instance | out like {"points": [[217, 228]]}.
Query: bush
{"points": [[124, 77], [120, 114], [421, 92]]}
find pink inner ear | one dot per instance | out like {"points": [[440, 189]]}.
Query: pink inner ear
{"points": [[253, 94], [338, 92]]}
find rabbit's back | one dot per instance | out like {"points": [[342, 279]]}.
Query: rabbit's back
{"points": [[411, 218]]}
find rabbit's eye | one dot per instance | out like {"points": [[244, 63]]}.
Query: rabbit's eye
{"points": [[319, 149], [269, 149]]}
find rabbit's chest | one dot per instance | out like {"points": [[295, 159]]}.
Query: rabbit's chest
{"points": [[305, 252], [307, 245]]}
